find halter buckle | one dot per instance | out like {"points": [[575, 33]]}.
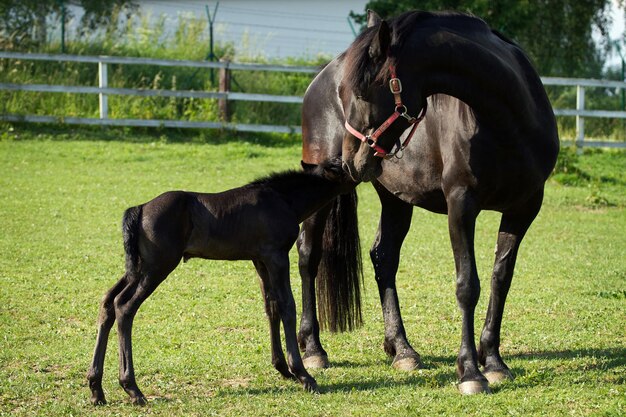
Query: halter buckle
{"points": [[395, 85]]}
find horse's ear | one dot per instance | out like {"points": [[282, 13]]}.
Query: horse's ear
{"points": [[380, 43], [373, 19]]}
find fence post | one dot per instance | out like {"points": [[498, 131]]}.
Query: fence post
{"points": [[224, 87], [580, 120], [103, 82]]}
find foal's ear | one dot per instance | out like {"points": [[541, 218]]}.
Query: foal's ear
{"points": [[373, 19], [380, 43]]}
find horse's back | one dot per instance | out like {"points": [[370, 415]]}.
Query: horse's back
{"points": [[241, 224]]}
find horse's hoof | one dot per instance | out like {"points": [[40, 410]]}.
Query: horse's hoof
{"points": [[496, 377], [474, 387], [408, 363], [316, 362]]}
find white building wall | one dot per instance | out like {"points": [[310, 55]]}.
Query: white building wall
{"points": [[269, 28]]}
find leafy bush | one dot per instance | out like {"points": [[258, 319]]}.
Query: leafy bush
{"points": [[566, 171]]}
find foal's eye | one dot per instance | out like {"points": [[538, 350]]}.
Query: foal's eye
{"points": [[359, 97]]}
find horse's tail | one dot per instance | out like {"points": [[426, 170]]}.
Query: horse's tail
{"points": [[340, 275], [130, 230]]}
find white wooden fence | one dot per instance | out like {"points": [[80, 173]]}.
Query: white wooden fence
{"points": [[103, 91]]}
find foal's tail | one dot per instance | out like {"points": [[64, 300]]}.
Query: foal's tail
{"points": [[130, 231], [340, 275]]}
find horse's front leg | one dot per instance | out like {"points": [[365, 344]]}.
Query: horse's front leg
{"points": [[278, 269], [462, 212], [394, 224], [513, 227], [310, 253], [273, 316]]}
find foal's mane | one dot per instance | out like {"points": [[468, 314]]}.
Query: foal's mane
{"points": [[362, 71], [287, 181]]}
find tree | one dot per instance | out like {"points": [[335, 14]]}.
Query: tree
{"points": [[557, 34], [23, 23]]}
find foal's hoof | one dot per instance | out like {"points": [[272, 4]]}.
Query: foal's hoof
{"points": [[407, 363], [139, 401], [474, 387], [98, 400], [496, 377], [316, 362], [311, 386]]}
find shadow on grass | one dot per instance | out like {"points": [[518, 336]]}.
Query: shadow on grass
{"points": [[369, 384], [439, 372], [19, 131], [616, 356]]}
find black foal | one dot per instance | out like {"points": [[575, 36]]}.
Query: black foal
{"points": [[257, 222]]}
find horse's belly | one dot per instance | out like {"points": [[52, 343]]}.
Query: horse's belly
{"points": [[431, 200], [217, 253]]}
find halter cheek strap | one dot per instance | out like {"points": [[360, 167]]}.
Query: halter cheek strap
{"points": [[400, 111]]}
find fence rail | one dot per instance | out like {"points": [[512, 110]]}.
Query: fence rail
{"points": [[224, 95]]}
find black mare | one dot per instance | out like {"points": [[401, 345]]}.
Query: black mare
{"points": [[488, 142], [257, 222]]}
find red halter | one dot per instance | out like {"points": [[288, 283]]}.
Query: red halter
{"points": [[400, 110]]}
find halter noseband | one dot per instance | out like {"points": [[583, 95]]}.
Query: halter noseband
{"points": [[400, 111]]}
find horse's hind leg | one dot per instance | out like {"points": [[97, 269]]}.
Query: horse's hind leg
{"points": [[126, 305], [395, 220], [462, 212], [106, 318], [273, 316], [513, 227], [278, 270]]}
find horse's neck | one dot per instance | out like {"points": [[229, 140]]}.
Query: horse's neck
{"points": [[308, 199]]}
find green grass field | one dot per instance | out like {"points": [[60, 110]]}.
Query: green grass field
{"points": [[201, 342]]}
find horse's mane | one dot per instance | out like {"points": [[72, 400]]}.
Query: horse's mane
{"points": [[288, 180], [360, 66]]}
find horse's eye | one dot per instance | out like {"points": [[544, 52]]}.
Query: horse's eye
{"points": [[359, 97]]}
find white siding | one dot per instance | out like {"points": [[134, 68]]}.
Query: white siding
{"points": [[270, 28]]}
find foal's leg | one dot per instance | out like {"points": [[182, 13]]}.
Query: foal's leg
{"points": [[513, 227], [310, 253], [126, 305], [271, 309], [106, 318], [278, 270], [395, 220], [462, 212]]}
